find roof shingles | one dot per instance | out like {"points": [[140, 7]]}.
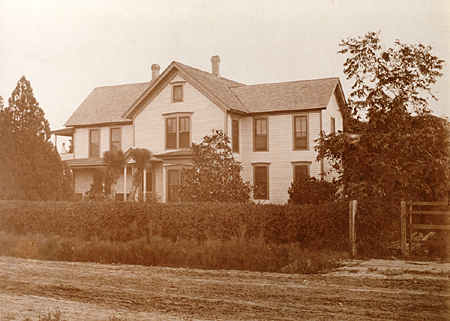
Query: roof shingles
{"points": [[109, 104], [287, 96], [106, 104]]}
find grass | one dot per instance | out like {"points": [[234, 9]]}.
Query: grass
{"points": [[234, 254], [57, 315]]}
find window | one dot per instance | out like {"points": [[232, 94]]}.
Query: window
{"points": [[235, 136], [148, 181], [333, 125], [94, 143], [261, 182], [260, 128], [171, 132], [300, 170], [184, 135], [177, 93], [300, 132], [178, 132], [115, 139], [174, 179]]}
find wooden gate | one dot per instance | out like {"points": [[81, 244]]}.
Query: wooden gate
{"points": [[408, 209]]}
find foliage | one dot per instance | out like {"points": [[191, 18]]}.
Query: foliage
{"points": [[400, 150], [114, 164], [310, 190], [30, 165], [142, 158], [215, 176], [321, 226]]}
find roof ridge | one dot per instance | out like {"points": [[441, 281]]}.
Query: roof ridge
{"points": [[292, 81], [122, 85]]}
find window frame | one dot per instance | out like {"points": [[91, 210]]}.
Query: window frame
{"points": [[111, 138], [255, 183], [333, 125], [90, 142], [300, 163], [177, 117], [294, 132], [179, 170], [255, 136], [176, 85], [235, 133]]}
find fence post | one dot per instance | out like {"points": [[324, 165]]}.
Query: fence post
{"points": [[403, 221], [352, 234]]}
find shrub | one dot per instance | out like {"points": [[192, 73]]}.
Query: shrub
{"points": [[310, 190]]}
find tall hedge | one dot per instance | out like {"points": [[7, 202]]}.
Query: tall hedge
{"points": [[322, 226]]}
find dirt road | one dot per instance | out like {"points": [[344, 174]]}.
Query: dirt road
{"points": [[373, 290]]}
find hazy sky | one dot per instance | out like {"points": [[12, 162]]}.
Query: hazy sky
{"points": [[66, 48]]}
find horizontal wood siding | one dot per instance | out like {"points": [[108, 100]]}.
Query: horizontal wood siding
{"points": [[81, 143], [332, 111], [149, 124], [281, 154], [127, 137]]}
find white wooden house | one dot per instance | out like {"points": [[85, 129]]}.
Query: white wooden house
{"points": [[273, 127]]}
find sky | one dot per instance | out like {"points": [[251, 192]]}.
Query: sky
{"points": [[67, 48]]}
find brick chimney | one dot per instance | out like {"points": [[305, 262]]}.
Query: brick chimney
{"points": [[215, 61], [155, 71]]}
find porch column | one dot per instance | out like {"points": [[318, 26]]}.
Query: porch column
{"points": [[144, 188], [125, 183]]}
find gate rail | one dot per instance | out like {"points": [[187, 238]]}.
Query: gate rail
{"points": [[407, 212]]}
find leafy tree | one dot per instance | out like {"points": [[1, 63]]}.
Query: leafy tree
{"points": [[141, 157], [393, 147], [114, 164], [310, 190], [214, 176], [32, 166]]}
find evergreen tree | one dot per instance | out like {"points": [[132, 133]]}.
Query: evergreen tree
{"points": [[32, 164]]}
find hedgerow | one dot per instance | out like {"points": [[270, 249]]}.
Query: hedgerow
{"points": [[321, 226]]}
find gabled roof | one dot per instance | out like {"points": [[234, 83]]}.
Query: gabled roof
{"points": [[214, 88], [121, 104], [219, 87], [287, 96], [106, 105]]}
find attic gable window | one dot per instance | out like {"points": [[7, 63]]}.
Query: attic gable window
{"points": [[177, 93]]}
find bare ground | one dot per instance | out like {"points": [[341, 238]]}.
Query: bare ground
{"points": [[362, 290]]}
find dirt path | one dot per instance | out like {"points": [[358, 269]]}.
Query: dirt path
{"points": [[372, 290]]}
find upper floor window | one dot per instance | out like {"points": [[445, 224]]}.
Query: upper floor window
{"points": [[333, 125], [300, 132], [94, 143], [178, 132], [260, 134], [177, 93], [235, 135], [115, 143]]}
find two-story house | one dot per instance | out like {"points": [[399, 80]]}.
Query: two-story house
{"points": [[273, 127]]}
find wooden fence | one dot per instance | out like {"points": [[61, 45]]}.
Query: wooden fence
{"points": [[408, 210]]}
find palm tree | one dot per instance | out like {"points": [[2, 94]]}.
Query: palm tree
{"points": [[114, 163], [142, 157]]}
